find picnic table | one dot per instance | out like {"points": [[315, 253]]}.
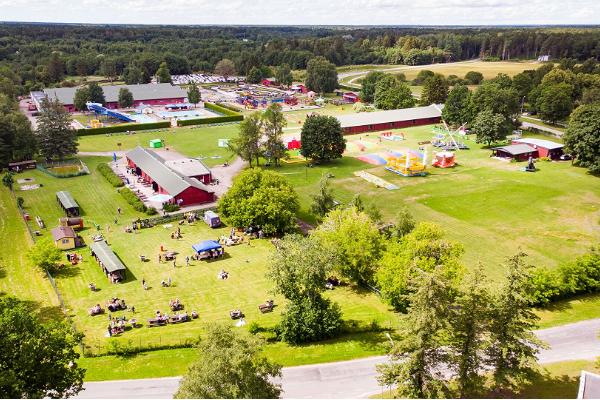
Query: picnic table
{"points": [[169, 256], [156, 322]]}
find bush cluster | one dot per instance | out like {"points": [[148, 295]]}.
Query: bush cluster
{"points": [[109, 174], [579, 277], [132, 199], [211, 120], [168, 207], [123, 128], [221, 109]]}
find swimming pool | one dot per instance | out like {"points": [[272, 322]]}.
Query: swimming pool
{"points": [[187, 114]]}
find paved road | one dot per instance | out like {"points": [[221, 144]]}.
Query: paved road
{"points": [[553, 131], [356, 378]]}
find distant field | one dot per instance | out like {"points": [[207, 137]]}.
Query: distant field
{"points": [[488, 69]]}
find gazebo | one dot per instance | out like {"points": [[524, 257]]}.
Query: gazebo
{"points": [[206, 245], [108, 260]]}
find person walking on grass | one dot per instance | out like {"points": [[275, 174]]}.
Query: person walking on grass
{"points": [[169, 281], [119, 210], [187, 261]]}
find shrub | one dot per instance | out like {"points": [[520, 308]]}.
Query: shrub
{"points": [[308, 321], [254, 328], [123, 128], [211, 120], [151, 211], [20, 202], [168, 207], [109, 174], [132, 199]]}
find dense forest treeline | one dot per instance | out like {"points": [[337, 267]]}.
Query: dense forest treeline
{"points": [[42, 54]]}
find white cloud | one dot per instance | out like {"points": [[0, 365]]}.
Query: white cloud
{"points": [[307, 12]]}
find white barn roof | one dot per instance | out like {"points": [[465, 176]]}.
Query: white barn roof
{"points": [[382, 117], [546, 144], [188, 166]]}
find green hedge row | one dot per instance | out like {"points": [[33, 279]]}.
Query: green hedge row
{"points": [[110, 175], [123, 128], [136, 203], [212, 120], [221, 109]]}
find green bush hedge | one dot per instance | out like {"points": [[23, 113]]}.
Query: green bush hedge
{"points": [[109, 174], [221, 109], [123, 128], [211, 120], [568, 280], [168, 207], [132, 199]]}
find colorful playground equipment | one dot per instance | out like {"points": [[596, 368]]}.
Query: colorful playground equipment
{"points": [[95, 123], [100, 110], [408, 163], [448, 139], [392, 136], [444, 159]]}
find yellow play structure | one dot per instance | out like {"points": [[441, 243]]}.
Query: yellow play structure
{"points": [[95, 123], [408, 163]]}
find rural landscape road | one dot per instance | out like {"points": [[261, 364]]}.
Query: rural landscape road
{"points": [[356, 378]]}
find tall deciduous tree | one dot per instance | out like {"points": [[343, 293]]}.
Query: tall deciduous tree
{"points": [[45, 255], [247, 144], [37, 360], [254, 76], [457, 106], [367, 92], [555, 102], [357, 240], [321, 75], [423, 249], [474, 77], [273, 124], [225, 67], [583, 136], [163, 75], [283, 74], [56, 137], [95, 93], [17, 141], [435, 90], [125, 98], [55, 68], [133, 75], [108, 68], [513, 345], [391, 94], [323, 201], [299, 268], [193, 94], [82, 96], [263, 198], [489, 127], [230, 366], [322, 138]]}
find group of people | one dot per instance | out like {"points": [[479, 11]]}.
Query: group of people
{"points": [[96, 310], [116, 304], [74, 258], [175, 305], [166, 283], [209, 254], [116, 326]]}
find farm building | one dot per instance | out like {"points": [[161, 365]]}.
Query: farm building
{"points": [[545, 148], [68, 203], [64, 237], [392, 119], [108, 261], [351, 97], [520, 152], [153, 169], [192, 168], [147, 94], [269, 82], [589, 386]]}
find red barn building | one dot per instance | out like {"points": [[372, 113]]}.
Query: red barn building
{"points": [[351, 97], [148, 94], [545, 148], [392, 119], [192, 168], [520, 152], [154, 170]]}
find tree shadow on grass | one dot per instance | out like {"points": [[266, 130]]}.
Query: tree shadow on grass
{"points": [[543, 386], [44, 312]]}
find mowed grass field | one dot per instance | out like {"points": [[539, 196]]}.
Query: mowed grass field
{"points": [[490, 206], [196, 286], [198, 142], [488, 69]]}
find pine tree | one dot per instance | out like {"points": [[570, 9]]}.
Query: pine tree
{"points": [[125, 98], [513, 345], [469, 320], [55, 136], [323, 201], [435, 90], [418, 358]]}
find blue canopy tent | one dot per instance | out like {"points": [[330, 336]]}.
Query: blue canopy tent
{"points": [[207, 245]]}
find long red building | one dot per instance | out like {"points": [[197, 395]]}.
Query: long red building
{"points": [[154, 170], [391, 119], [149, 94]]}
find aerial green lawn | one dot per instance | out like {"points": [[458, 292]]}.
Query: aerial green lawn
{"points": [[197, 141], [552, 214]]}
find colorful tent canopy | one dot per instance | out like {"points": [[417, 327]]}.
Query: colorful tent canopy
{"points": [[207, 245]]}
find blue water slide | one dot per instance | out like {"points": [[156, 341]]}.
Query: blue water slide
{"points": [[100, 109]]}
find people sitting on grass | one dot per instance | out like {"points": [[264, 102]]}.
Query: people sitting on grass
{"points": [[235, 314], [116, 304], [223, 274], [92, 286], [96, 310], [175, 305]]}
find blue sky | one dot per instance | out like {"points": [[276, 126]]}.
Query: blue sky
{"points": [[307, 12]]}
